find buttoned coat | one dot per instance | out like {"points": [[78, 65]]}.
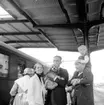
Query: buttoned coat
{"points": [[57, 96], [83, 92]]}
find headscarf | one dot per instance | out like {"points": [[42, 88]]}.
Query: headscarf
{"points": [[23, 81], [28, 71]]}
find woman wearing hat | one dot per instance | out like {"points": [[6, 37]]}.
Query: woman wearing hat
{"points": [[20, 88]]}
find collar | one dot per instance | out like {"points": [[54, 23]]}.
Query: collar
{"points": [[80, 73]]}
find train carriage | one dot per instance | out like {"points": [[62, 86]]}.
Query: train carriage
{"points": [[11, 62]]}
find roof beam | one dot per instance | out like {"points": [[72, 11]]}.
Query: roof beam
{"points": [[95, 22], [64, 10], [26, 46], [82, 9], [13, 21], [18, 33], [22, 12], [74, 25], [69, 26], [27, 41], [80, 5], [31, 20], [68, 18]]}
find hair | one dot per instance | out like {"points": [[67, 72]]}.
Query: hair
{"points": [[78, 62], [34, 67], [58, 57], [25, 72], [38, 64], [83, 46]]}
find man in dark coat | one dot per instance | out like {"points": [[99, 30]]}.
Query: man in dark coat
{"points": [[82, 85], [57, 95]]}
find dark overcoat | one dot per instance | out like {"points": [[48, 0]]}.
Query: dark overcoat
{"points": [[57, 96], [83, 92]]}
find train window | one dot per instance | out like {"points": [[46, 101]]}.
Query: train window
{"points": [[4, 65]]}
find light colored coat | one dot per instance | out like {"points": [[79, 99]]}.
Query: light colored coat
{"points": [[19, 90], [36, 91]]}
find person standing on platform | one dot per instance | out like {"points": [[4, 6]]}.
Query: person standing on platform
{"points": [[20, 88], [36, 89], [81, 85], [56, 95]]}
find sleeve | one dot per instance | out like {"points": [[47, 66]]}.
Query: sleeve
{"points": [[86, 59], [14, 89], [87, 77], [63, 80], [32, 88], [74, 76]]}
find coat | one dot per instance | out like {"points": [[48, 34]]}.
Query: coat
{"points": [[19, 90], [57, 96], [36, 91], [83, 92]]}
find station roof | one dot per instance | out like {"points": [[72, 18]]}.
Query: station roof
{"points": [[61, 24]]}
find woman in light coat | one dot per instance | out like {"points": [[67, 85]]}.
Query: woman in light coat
{"points": [[36, 89], [20, 88]]}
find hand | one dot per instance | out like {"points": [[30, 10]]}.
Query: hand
{"points": [[75, 82], [61, 78], [69, 88]]}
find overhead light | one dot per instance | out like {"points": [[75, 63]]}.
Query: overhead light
{"points": [[4, 14]]}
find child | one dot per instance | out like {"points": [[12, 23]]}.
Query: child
{"points": [[84, 58]]}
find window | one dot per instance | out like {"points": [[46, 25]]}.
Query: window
{"points": [[4, 65]]}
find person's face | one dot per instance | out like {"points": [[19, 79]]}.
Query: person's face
{"points": [[79, 67], [56, 61], [82, 50], [39, 69]]}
